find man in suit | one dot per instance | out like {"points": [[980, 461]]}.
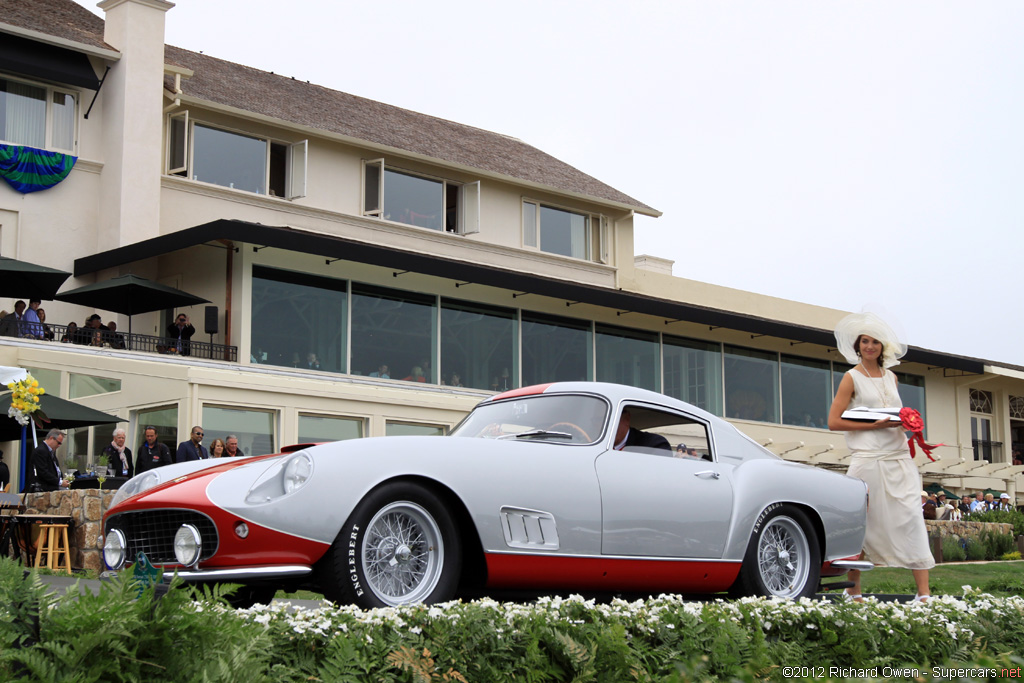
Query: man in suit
{"points": [[626, 436], [5, 473], [193, 448], [42, 464], [152, 453]]}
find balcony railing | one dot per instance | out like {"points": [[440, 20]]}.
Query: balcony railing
{"points": [[99, 338], [988, 450]]}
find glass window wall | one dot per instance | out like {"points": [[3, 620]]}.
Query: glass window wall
{"points": [[323, 428], [298, 320], [478, 344], [554, 350], [412, 429], [393, 328], [751, 384], [627, 356], [88, 385], [165, 419], [806, 392], [693, 372], [255, 429], [911, 389]]}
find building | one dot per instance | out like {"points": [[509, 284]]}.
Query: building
{"points": [[334, 235]]}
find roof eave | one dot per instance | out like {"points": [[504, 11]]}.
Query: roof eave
{"points": [[84, 48]]}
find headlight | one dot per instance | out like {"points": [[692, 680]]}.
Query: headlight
{"points": [[136, 485], [114, 549], [188, 544], [296, 472], [284, 476]]}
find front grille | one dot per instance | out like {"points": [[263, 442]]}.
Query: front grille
{"points": [[152, 532]]}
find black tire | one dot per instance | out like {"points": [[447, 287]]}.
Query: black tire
{"points": [[398, 546], [783, 557]]}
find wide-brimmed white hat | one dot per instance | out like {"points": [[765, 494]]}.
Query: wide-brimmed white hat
{"points": [[856, 324]]}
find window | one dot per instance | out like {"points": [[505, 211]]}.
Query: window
{"points": [[322, 428], [693, 372], [165, 419], [298, 320], [36, 116], [235, 160], [838, 370], [254, 428], [411, 429], [751, 384], [87, 385], [394, 328], [981, 427], [806, 392], [554, 350], [419, 200], [563, 232], [478, 344], [911, 388], [981, 401], [48, 379], [77, 452], [628, 357]]}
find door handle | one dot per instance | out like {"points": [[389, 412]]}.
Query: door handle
{"points": [[707, 473]]}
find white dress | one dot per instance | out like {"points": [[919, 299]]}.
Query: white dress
{"points": [[895, 535]]}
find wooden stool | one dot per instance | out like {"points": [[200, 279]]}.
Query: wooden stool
{"points": [[53, 542]]}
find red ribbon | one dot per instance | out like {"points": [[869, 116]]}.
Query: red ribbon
{"points": [[913, 423]]}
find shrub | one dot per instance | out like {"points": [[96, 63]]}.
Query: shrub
{"points": [[952, 551], [996, 545], [1014, 517], [975, 550], [1015, 555]]}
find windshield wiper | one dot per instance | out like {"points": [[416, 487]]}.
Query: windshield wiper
{"points": [[537, 432]]}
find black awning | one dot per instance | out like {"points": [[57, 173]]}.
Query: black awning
{"points": [[341, 248], [47, 62]]}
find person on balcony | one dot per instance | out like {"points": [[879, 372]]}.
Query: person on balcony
{"points": [[180, 331]]}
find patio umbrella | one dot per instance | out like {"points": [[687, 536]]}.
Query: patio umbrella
{"points": [[130, 294], [24, 280]]}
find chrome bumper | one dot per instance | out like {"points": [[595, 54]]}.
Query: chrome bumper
{"points": [[859, 565], [242, 574]]}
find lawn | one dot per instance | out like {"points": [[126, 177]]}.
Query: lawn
{"points": [[998, 578]]}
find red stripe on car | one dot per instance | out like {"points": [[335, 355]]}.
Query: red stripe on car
{"points": [[506, 570]]}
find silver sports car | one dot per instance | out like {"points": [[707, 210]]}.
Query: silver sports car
{"points": [[575, 486]]}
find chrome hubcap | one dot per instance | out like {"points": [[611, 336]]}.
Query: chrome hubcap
{"points": [[402, 553], [783, 557]]}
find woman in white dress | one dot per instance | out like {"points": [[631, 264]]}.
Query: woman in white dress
{"points": [[895, 534]]}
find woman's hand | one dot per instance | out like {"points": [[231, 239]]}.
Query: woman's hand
{"points": [[885, 423]]}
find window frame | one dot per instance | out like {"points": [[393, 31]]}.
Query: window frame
{"points": [[596, 241], [296, 166], [48, 116], [467, 219]]}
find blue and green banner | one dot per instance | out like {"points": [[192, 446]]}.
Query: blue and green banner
{"points": [[27, 169]]}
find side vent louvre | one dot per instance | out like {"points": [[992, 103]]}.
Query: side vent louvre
{"points": [[526, 528]]}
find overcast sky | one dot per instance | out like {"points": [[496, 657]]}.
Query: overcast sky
{"points": [[836, 153]]}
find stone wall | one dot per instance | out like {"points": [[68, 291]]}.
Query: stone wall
{"points": [[965, 529], [86, 508]]}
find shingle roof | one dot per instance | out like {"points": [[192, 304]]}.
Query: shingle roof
{"points": [[294, 101], [297, 102], [58, 18]]}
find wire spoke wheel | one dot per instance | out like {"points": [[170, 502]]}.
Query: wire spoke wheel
{"points": [[783, 557], [402, 553]]}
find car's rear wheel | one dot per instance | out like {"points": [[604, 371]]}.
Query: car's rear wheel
{"points": [[783, 558], [398, 546]]}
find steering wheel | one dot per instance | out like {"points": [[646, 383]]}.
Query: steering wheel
{"points": [[570, 427]]}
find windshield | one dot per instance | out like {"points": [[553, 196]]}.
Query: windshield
{"points": [[552, 419]]}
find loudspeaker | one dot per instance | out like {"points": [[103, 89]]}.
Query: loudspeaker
{"points": [[211, 320]]}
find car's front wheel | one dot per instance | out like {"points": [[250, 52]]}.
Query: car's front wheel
{"points": [[398, 546], [783, 558]]}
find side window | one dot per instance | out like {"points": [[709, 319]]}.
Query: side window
{"points": [[423, 201], [658, 432]]}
